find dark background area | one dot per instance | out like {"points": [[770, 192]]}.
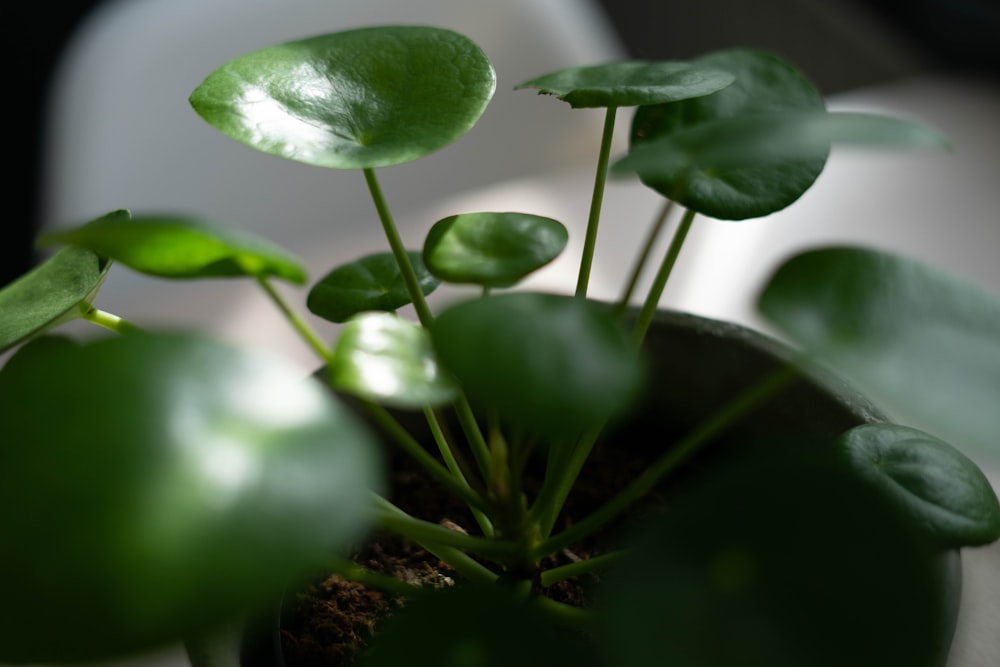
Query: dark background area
{"points": [[840, 45]]}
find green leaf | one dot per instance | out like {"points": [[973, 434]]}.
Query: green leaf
{"points": [[492, 249], [389, 360], [174, 247], [764, 84], [779, 560], [363, 98], [771, 138], [50, 294], [153, 486], [370, 283], [938, 485], [630, 83], [922, 344], [554, 364]]}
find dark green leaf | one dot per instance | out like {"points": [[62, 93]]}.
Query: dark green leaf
{"points": [[173, 247], [492, 249], [922, 344], [630, 83], [51, 293], [780, 561], [370, 283], [363, 98], [555, 364], [934, 482], [764, 84], [389, 360], [154, 486]]}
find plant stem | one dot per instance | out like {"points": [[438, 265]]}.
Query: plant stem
{"points": [[654, 233], [569, 615], [729, 414], [298, 322], [108, 321], [660, 282], [597, 198], [552, 498], [361, 575], [398, 250], [562, 572], [470, 427]]}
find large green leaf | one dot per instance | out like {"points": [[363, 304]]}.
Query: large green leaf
{"points": [[492, 249], [389, 360], [176, 247], [152, 486], [50, 294], [764, 84], [630, 83], [922, 344], [370, 283], [356, 99], [770, 138], [938, 485], [552, 363]]}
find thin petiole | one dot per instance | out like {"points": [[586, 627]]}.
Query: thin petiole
{"points": [[107, 320], [660, 282], [353, 572], [571, 570], [298, 322], [654, 234], [596, 201]]}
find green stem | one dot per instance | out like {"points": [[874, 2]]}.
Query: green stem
{"points": [[568, 615], [474, 435], [597, 198], [553, 497], [562, 572], [298, 322], [654, 234], [361, 575], [730, 413], [108, 321], [398, 250], [660, 282]]}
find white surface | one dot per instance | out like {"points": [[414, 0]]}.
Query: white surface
{"points": [[123, 136]]}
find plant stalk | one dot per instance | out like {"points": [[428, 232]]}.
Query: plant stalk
{"points": [[654, 234], [308, 334], [108, 321], [660, 282], [596, 201]]}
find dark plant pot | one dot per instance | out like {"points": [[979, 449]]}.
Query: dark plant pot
{"points": [[696, 365]]}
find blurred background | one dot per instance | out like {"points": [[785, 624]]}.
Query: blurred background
{"points": [[100, 108]]}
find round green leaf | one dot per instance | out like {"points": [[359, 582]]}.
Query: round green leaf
{"points": [[630, 83], [363, 98], [771, 138], [50, 294], [555, 364], [173, 247], [934, 482], [370, 283], [153, 486], [389, 360], [922, 344], [764, 84], [492, 249]]}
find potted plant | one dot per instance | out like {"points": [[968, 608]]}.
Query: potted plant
{"points": [[158, 485]]}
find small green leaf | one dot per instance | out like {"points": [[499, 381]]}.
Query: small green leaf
{"points": [[763, 139], [764, 84], [934, 482], [555, 364], [363, 98], [389, 360], [174, 247], [370, 283], [492, 249], [630, 83], [51, 293], [153, 486], [922, 344]]}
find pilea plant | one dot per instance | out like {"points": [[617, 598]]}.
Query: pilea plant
{"points": [[156, 484]]}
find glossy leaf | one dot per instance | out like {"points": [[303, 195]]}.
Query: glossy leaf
{"points": [[778, 561], [764, 84], [935, 483], [771, 138], [492, 249], [362, 98], [630, 83], [922, 344], [174, 247], [555, 364], [152, 486], [50, 294], [389, 360], [370, 283]]}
